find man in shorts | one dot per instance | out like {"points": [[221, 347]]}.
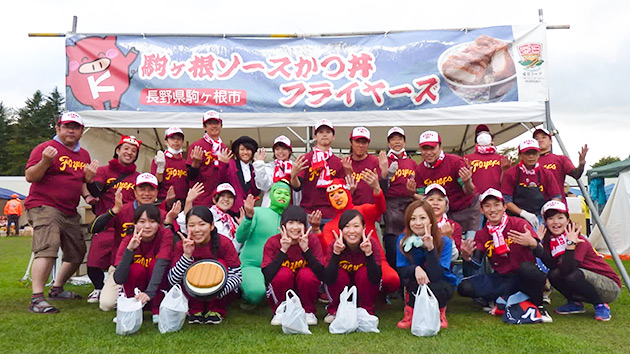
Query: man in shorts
{"points": [[57, 170]]}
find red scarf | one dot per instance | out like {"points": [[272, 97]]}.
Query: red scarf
{"points": [[524, 169], [500, 246], [115, 165], [558, 245], [319, 162], [226, 219], [403, 154], [442, 221], [216, 146], [437, 163], [485, 150], [282, 170]]}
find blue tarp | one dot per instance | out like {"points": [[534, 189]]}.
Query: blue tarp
{"points": [[6, 194]]}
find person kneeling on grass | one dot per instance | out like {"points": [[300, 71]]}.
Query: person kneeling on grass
{"points": [[514, 265], [293, 260], [424, 260], [577, 271], [353, 261], [142, 259], [204, 242]]}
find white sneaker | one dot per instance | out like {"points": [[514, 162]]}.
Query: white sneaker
{"points": [[114, 319], [311, 319], [329, 318], [546, 318], [155, 319], [94, 296], [276, 320]]}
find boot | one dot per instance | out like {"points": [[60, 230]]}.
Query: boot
{"points": [[405, 323], [443, 321]]}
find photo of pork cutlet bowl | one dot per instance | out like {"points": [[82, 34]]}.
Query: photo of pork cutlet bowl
{"points": [[479, 72]]}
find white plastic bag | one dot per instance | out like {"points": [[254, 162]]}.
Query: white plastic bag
{"points": [[128, 315], [426, 313], [366, 322], [346, 318], [293, 315], [173, 310]]}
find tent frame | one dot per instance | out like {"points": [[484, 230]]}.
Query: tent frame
{"points": [[308, 134]]}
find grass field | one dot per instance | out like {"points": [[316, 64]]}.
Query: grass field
{"points": [[82, 328]]}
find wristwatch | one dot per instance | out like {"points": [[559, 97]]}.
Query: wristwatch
{"points": [[571, 243]]}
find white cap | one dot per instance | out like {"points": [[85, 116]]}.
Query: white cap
{"points": [[69, 117], [146, 178], [324, 122], [491, 192], [434, 186], [283, 140], [225, 187], [395, 130], [172, 131], [360, 132], [212, 115], [528, 144], [554, 204], [430, 137]]}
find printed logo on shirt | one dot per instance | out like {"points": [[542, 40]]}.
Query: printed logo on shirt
{"points": [[174, 173], [122, 184], [67, 162], [141, 260], [441, 181], [403, 173], [550, 166], [209, 157], [295, 264], [349, 267], [484, 164], [312, 174], [489, 246], [530, 184], [126, 229]]}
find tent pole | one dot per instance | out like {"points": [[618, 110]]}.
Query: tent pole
{"points": [[591, 206]]}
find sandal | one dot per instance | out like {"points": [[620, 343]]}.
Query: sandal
{"points": [[42, 306], [64, 295]]}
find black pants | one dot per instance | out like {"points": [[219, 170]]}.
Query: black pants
{"points": [[15, 220], [442, 290], [574, 286], [528, 278]]}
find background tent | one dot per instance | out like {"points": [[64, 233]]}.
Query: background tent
{"points": [[615, 216]]}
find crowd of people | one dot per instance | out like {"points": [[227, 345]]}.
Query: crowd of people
{"points": [[479, 224]]}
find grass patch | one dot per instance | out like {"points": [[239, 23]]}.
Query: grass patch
{"points": [[82, 328]]}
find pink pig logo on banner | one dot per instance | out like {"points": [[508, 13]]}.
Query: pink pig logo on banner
{"points": [[98, 71]]}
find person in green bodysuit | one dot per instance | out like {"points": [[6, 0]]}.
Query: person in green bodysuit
{"points": [[257, 227]]}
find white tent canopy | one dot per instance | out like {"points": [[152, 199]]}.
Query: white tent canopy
{"points": [[615, 218]]}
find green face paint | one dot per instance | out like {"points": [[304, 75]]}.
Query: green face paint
{"points": [[280, 196]]}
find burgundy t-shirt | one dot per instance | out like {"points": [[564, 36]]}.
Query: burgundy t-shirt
{"points": [[446, 175], [353, 261], [398, 183], [506, 263], [546, 184], [588, 258], [314, 198], [486, 169], [160, 247], [558, 165], [295, 259], [61, 185], [175, 174], [107, 174], [122, 222], [209, 172], [363, 194], [226, 252]]}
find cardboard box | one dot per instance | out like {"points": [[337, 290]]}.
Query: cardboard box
{"points": [[579, 219]]}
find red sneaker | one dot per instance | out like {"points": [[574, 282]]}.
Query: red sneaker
{"points": [[443, 321], [405, 323]]}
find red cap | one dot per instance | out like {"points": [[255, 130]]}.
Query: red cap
{"points": [[482, 128], [430, 138], [129, 140], [336, 184]]}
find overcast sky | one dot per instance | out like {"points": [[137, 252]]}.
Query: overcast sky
{"points": [[588, 83]]}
